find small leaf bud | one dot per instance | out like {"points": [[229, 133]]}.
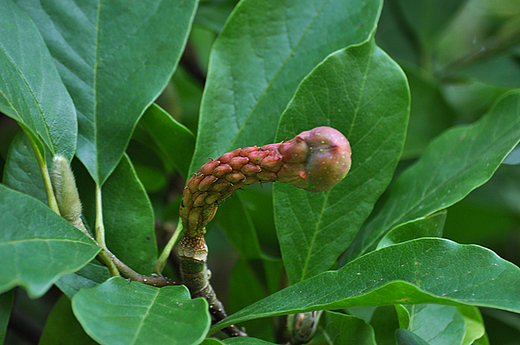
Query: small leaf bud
{"points": [[64, 186]]}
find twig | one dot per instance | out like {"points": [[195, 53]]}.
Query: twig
{"points": [[488, 48], [195, 274]]}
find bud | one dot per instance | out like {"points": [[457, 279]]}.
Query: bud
{"points": [[303, 326], [64, 186]]}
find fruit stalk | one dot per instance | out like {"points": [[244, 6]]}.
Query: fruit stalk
{"points": [[315, 160]]}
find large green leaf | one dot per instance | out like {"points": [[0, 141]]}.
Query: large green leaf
{"points": [[129, 219], [384, 321], [36, 245], [21, 171], [250, 281], [455, 163], [173, 141], [417, 271], [123, 312], [62, 327], [31, 90], [89, 276], [363, 93], [235, 221], [340, 329], [115, 58], [405, 337], [260, 57]]}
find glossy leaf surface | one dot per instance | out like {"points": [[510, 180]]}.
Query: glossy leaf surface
{"points": [[437, 324], [169, 138], [346, 329], [21, 171], [62, 327], [418, 271], [123, 312], [362, 93], [458, 161], [114, 58], [262, 54], [89, 276], [406, 337], [430, 226], [37, 247], [31, 90], [129, 219]]}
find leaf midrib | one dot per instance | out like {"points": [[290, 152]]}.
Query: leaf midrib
{"points": [[143, 318], [320, 217], [275, 77]]}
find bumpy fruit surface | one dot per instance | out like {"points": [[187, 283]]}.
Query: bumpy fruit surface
{"points": [[315, 160]]}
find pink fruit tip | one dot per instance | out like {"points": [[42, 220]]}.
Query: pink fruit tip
{"points": [[326, 154]]}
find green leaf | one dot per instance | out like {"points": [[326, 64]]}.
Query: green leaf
{"points": [[123, 312], [363, 93], [405, 337], [115, 58], [458, 161], [248, 283], [235, 221], [385, 322], [22, 172], [211, 341], [442, 324], [340, 329], [437, 324], [214, 13], [430, 226], [417, 271], [246, 341], [63, 328], [89, 276], [169, 138], [6, 303], [129, 219], [260, 57], [31, 90], [37, 247], [474, 324]]}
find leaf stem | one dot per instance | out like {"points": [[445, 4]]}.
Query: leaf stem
{"points": [[51, 198], [116, 266], [161, 261], [100, 228], [99, 234]]}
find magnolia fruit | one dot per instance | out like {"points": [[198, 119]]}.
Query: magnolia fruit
{"points": [[315, 160]]}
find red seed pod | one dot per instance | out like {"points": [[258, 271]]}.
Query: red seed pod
{"points": [[314, 160]]}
